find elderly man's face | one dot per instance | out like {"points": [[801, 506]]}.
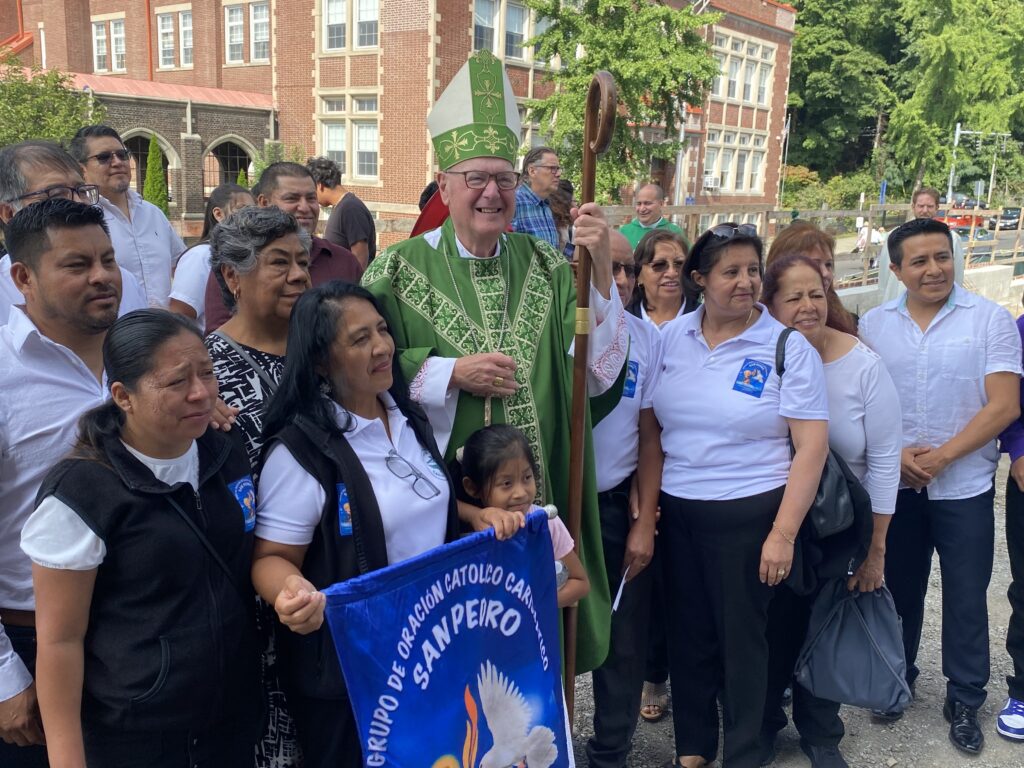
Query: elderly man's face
{"points": [[478, 214], [648, 206]]}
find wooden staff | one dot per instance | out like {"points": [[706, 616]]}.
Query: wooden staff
{"points": [[602, 102]]}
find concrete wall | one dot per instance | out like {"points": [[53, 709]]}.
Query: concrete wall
{"points": [[994, 282]]}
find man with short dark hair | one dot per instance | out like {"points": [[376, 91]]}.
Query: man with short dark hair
{"points": [[51, 371], [144, 240], [648, 201], [924, 204], [955, 358], [33, 171], [350, 224], [290, 187], [533, 216]]}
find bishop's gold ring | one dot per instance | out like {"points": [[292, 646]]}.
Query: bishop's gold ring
{"points": [[498, 381], [782, 571]]}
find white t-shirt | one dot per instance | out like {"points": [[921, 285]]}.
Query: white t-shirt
{"points": [[55, 536], [190, 278], [617, 435], [723, 413], [864, 408], [940, 375], [290, 500]]}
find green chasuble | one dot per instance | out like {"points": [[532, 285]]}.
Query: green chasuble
{"points": [[634, 230], [429, 316]]}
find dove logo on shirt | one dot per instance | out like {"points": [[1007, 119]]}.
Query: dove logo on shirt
{"points": [[344, 511], [245, 495]]}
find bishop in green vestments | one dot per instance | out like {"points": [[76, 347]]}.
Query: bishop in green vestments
{"points": [[484, 319]]}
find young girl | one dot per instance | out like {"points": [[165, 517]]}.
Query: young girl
{"points": [[498, 470]]}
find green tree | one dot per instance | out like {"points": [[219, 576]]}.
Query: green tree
{"points": [[243, 179], [660, 61], [154, 189], [274, 152], [41, 105]]}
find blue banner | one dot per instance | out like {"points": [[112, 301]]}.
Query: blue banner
{"points": [[452, 658]]}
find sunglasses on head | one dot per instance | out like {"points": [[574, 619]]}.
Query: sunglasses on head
{"points": [[104, 158], [729, 231]]}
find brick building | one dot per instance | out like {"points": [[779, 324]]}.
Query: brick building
{"points": [[355, 79]]}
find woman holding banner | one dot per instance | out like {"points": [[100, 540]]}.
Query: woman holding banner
{"points": [[352, 481]]}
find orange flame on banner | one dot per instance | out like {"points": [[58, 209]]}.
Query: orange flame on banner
{"points": [[472, 733]]}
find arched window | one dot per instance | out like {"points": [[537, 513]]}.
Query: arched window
{"points": [[222, 165], [138, 146]]}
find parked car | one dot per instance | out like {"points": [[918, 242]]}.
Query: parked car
{"points": [[981, 247], [1008, 219]]}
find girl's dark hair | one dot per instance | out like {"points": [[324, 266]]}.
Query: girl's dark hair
{"points": [[644, 253], [128, 351], [709, 248], [219, 198], [484, 453], [311, 332]]}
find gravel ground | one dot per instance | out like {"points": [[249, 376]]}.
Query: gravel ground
{"points": [[919, 740]]}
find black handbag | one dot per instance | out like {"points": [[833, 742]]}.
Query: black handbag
{"points": [[853, 653], [840, 499]]}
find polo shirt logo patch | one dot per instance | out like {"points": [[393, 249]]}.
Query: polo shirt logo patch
{"points": [[435, 470], [245, 495], [752, 377], [632, 374], [344, 511]]}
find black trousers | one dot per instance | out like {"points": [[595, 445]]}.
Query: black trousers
{"points": [[716, 630], [1015, 548], [657, 631], [962, 531], [23, 640], [618, 682], [326, 731], [231, 745], [816, 719]]}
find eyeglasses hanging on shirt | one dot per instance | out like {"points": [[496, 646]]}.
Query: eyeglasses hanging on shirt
{"points": [[402, 469]]}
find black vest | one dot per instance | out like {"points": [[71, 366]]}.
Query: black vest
{"points": [[171, 642], [308, 663]]}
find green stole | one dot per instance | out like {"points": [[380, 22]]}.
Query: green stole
{"points": [[429, 316]]}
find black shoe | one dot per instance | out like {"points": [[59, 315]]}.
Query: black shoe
{"points": [[892, 715], [824, 757], [963, 727], [767, 755]]}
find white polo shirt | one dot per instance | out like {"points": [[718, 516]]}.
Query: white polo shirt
{"points": [[940, 376], [290, 500], [146, 245], [45, 387], [722, 412], [132, 296], [191, 274], [617, 435]]}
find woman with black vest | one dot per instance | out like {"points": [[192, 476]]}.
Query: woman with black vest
{"points": [[141, 544], [352, 481]]}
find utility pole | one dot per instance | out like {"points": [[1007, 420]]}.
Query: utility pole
{"points": [[952, 167]]}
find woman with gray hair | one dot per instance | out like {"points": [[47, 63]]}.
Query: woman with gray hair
{"points": [[260, 258]]}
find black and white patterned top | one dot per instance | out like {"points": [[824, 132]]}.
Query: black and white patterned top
{"points": [[241, 387]]}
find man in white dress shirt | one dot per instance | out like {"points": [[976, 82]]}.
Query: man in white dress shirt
{"points": [[33, 171], [144, 241], [955, 359]]}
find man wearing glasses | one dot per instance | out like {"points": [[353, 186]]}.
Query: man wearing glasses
{"points": [[31, 172], [483, 318], [541, 173], [648, 202], [144, 241]]}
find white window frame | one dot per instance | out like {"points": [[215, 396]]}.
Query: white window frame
{"points": [[99, 36], [740, 181], [764, 75], [749, 73], [745, 69], [521, 33], [493, 26], [357, 151], [710, 161], [372, 10], [185, 33], [756, 180], [234, 25], [364, 109], [263, 39], [328, 127], [335, 9], [118, 46], [166, 43], [725, 170], [339, 98], [732, 79]]}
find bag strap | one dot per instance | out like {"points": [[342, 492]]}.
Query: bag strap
{"points": [[210, 549], [780, 351], [268, 382]]}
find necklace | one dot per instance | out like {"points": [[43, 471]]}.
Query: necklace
{"points": [[746, 324], [487, 341]]}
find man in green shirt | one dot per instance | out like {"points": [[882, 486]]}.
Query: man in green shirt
{"points": [[483, 318], [649, 200]]}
